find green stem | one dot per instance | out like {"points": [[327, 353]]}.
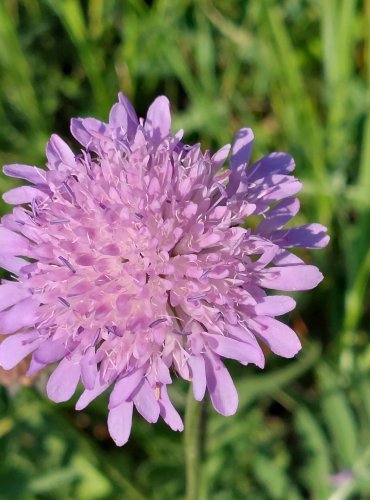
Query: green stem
{"points": [[192, 442]]}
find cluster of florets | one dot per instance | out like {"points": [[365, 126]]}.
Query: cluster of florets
{"points": [[137, 264]]}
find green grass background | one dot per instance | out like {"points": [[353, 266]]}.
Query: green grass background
{"points": [[298, 73]]}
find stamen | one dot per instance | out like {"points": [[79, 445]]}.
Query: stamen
{"points": [[69, 191], [67, 264], [64, 302], [34, 207], [59, 221], [157, 322], [206, 273], [113, 329], [183, 333], [96, 336], [196, 297]]}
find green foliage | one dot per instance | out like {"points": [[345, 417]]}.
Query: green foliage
{"points": [[298, 72]]}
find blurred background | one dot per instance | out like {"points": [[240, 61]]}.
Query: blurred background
{"points": [[298, 73]]}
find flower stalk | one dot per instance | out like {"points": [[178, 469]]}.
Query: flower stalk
{"points": [[193, 445]]}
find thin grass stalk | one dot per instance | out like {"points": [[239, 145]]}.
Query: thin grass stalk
{"points": [[192, 443]]}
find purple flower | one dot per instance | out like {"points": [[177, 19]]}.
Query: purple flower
{"points": [[137, 264]]}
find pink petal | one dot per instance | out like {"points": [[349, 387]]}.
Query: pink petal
{"points": [[163, 372], [32, 174], [13, 244], [11, 293], [124, 388], [34, 367], [158, 118], [146, 403], [120, 422], [240, 156], [63, 381], [218, 159], [291, 278], [89, 370], [12, 264], [274, 305], [19, 316], [132, 120], [122, 115], [87, 130], [221, 388], [242, 148], [307, 236], [198, 376], [234, 349], [278, 216], [273, 163], [168, 412], [281, 339], [16, 347], [285, 258], [22, 194], [58, 152], [278, 187], [89, 395], [51, 351]]}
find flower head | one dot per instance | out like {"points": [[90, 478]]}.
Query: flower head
{"points": [[137, 264]]}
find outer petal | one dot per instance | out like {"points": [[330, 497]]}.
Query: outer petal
{"points": [[198, 376], [120, 422], [122, 115], [307, 236], [158, 118], [220, 156], [221, 388], [234, 349], [281, 339], [278, 216], [89, 395], [240, 156], [274, 163], [131, 113], [274, 188], [274, 305], [32, 174], [242, 148], [125, 387], [13, 244], [168, 412], [88, 130], [21, 315], [63, 381], [22, 194], [89, 370], [16, 347], [51, 351], [291, 278], [12, 264], [59, 153], [285, 258], [34, 367], [146, 403], [11, 293]]}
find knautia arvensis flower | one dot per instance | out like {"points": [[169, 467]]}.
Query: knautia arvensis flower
{"points": [[137, 264]]}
